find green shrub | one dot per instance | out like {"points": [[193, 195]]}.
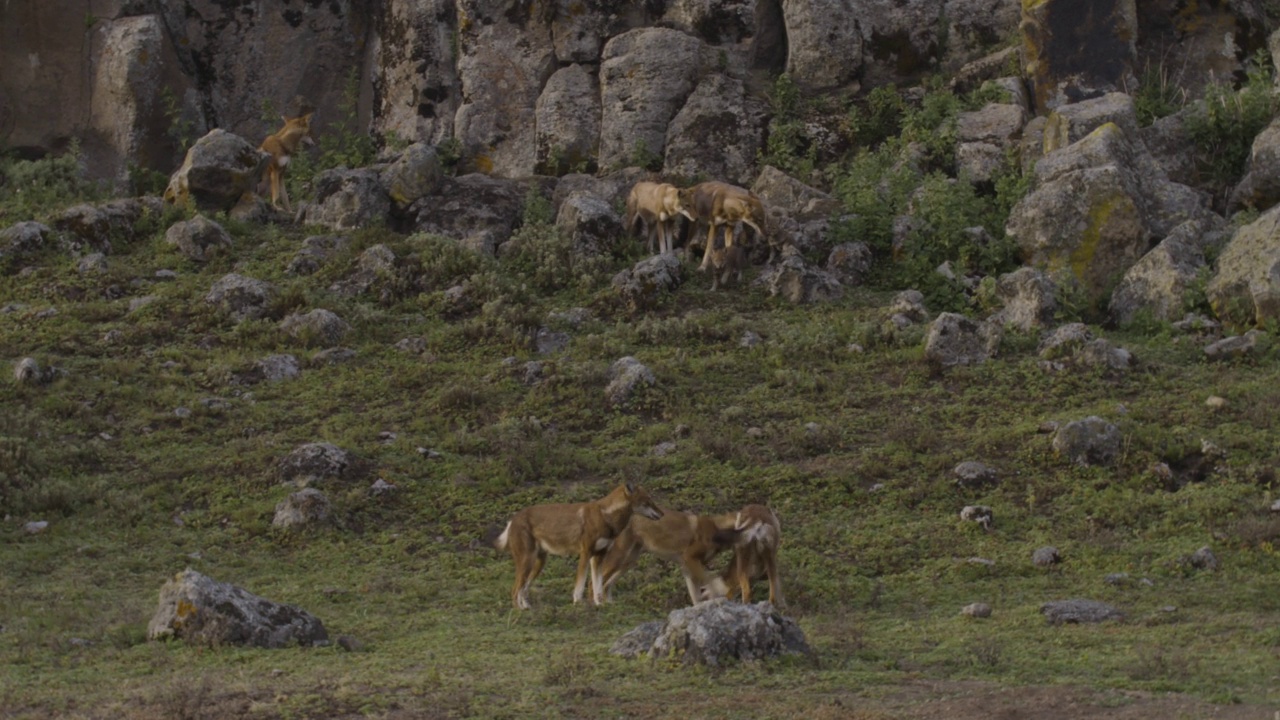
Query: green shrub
{"points": [[36, 187], [1225, 122]]}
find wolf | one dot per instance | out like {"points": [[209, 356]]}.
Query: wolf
{"points": [[716, 203], [282, 145], [688, 540], [587, 528], [725, 262], [758, 534], [658, 205]]}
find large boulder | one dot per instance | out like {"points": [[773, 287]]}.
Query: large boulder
{"points": [[591, 222], [801, 202], [824, 42], [199, 238], [471, 204], [717, 133], [579, 27], [1260, 187], [985, 136], [348, 199], [203, 611], [21, 241], [1158, 284], [568, 122], [306, 507], [219, 168], [645, 77], [413, 175], [974, 27], [1091, 441], [954, 339], [319, 327], [718, 631], [91, 228], [626, 377], [1245, 288], [1071, 53], [1075, 611], [796, 281], [643, 286], [505, 58]]}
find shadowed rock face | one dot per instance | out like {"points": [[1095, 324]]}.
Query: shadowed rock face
{"points": [[1077, 49]]}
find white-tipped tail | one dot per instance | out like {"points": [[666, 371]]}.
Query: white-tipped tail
{"points": [[501, 542]]}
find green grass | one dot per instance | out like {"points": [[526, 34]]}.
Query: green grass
{"points": [[876, 578]]}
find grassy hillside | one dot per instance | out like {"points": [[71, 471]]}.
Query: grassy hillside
{"points": [[854, 449]]}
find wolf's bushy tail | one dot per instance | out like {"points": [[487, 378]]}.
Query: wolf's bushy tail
{"points": [[501, 542]]}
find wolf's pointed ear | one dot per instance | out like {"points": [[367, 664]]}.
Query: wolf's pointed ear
{"points": [[283, 118], [630, 488], [307, 118]]}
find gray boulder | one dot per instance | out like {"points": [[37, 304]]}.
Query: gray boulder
{"points": [[849, 263], [717, 631], [976, 610], [568, 121], [954, 339], [1234, 346], [1260, 187], [348, 199], [1027, 300], [1061, 612], [21, 241], [1070, 55], [469, 205], [241, 297], [645, 77], [824, 42], [198, 238], [798, 282], [639, 641], [801, 202], [318, 327], [315, 463], [1065, 341], [314, 252], [1045, 556], [273, 369], [87, 228], [984, 136], [978, 514], [591, 222], [308, 506], [975, 475], [415, 93], [644, 285], [415, 174], [717, 132], [203, 611], [1157, 285], [1091, 441], [219, 168], [1101, 354], [376, 265], [626, 376], [1245, 288]]}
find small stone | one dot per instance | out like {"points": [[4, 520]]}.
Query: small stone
{"points": [[1168, 608], [1046, 556], [181, 412], [812, 428], [1048, 426], [877, 487], [350, 644], [429, 454], [381, 487], [972, 474], [79, 642], [979, 514], [750, 339], [755, 432], [166, 275], [1120, 578], [855, 348], [663, 449], [105, 436], [981, 561], [681, 430], [386, 437], [1275, 506], [976, 610], [1203, 559], [1215, 402], [35, 526]]}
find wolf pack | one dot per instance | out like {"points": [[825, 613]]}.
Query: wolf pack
{"points": [[609, 534]]}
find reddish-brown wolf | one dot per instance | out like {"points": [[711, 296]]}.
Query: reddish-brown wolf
{"points": [[282, 145], [690, 541], [587, 529]]}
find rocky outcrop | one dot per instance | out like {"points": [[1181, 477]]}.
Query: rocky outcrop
{"points": [[469, 205], [984, 137], [306, 507], [318, 327], [1069, 55], [626, 377], [568, 122], [1260, 187], [414, 77], [1157, 285], [645, 77], [202, 611], [801, 202], [415, 174], [22, 241], [717, 133], [590, 222], [798, 282], [217, 171], [1026, 297], [315, 463], [348, 199]]}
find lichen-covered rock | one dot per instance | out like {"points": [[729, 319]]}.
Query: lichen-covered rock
{"points": [[469, 205], [1074, 122], [1027, 300], [824, 43], [592, 223], [1065, 341], [21, 241], [243, 298], [1245, 288], [954, 339], [717, 631], [1102, 354], [1260, 187], [568, 121], [1158, 283], [413, 175], [203, 611], [798, 282], [218, 169], [645, 284], [198, 238], [974, 475], [645, 77], [416, 92], [717, 132], [1234, 346], [978, 514], [273, 369], [849, 263], [1091, 441], [314, 252], [320, 327], [1060, 612], [348, 199], [1045, 556], [626, 376], [315, 463], [779, 191], [1070, 54], [308, 506]]}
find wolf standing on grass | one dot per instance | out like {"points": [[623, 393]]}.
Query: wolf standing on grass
{"points": [[282, 145], [587, 528]]}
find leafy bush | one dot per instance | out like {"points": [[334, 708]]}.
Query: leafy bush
{"points": [[38, 186], [1225, 122], [788, 146]]}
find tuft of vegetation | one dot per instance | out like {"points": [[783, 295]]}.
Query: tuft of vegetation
{"points": [[33, 188], [1224, 123]]}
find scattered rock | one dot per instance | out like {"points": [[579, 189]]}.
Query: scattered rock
{"points": [[199, 238], [1215, 402], [242, 297], [980, 514], [348, 199], [974, 475], [750, 339], [1235, 346], [35, 527], [381, 487], [1059, 612], [954, 339], [1091, 441], [663, 449], [798, 282], [976, 610], [93, 263], [314, 463], [314, 252], [1203, 559], [643, 286], [849, 263], [305, 507], [548, 341], [273, 369], [1045, 556], [1026, 298], [716, 631], [318, 327], [626, 376], [182, 413], [333, 356], [203, 611], [27, 371], [411, 345]]}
